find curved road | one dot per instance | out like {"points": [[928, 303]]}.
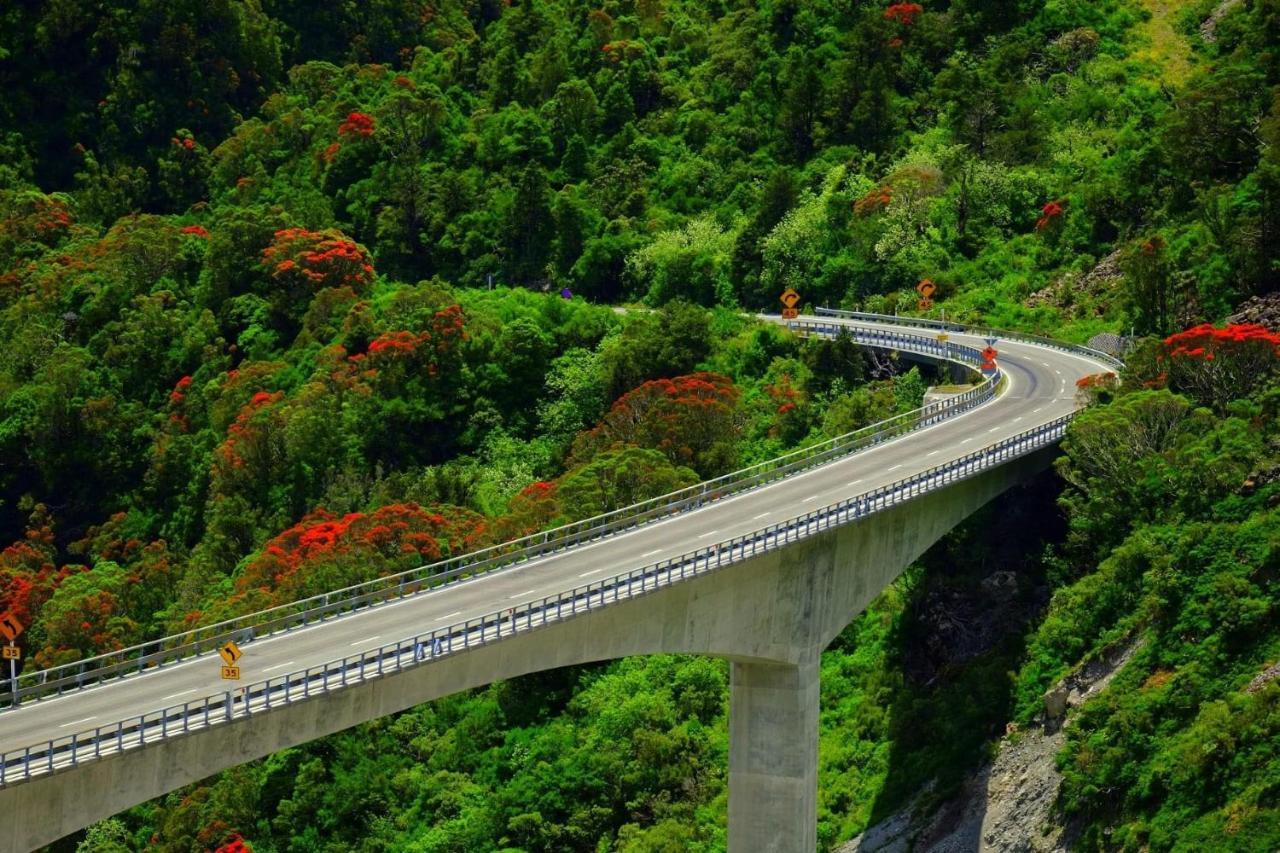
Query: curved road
{"points": [[1041, 387]]}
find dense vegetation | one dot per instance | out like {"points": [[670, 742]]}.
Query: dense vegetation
{"points": [[280, 288]]}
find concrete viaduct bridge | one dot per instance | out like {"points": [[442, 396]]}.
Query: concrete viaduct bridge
{"points": [[763, 567]]}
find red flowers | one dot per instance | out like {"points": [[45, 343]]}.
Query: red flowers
{"points": [[1217, 365], [179, 393], [319, 258], [616, 51], [690, 418], [447, 327], [1048, 214], [235, 844], [50, 216], [323, 549], [249, 436], [874, 201], [903, 13], [357, 124], [196, 230], [1096, 380]]}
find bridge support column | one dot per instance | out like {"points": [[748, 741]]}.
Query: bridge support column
{"points": [[773, 757]]}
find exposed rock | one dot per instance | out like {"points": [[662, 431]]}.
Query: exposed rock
{"points": [[1263, 310], [1001, 585], [1009, 803], [1263, 678], [1055, 702], [1068, 290], [1110, 343], [1209, 26]]}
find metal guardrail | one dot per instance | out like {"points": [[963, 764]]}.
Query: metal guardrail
{"points": [[924, 323], [204, 640], [22, 764]]}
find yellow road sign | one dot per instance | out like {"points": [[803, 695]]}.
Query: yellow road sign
{"points": [[11, 653], [10, 627], [230, 652], [943, 337], [789, 297], [790, 313], [231, 673]]}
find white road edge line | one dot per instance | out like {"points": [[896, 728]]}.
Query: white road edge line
{"points": [[592, 572], [77, 722], [176, 695], [366, 640], [450, 615], [278, 666]]}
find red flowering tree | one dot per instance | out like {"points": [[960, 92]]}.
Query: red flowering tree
{"points": [[34, 218], [874, 202], [301, 263], [317, 260], [28, 570], [357, 125], [694, 420], [535, 507], [86, 615], [235, 844], [1096, 386], [252, 456], [1215, 366], [903, 13], [1050, 215], [325, 551], [395, 356], [788, 422]]}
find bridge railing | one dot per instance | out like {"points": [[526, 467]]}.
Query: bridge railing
{"points": [[985, 331], [204, 640], [422, 649]]}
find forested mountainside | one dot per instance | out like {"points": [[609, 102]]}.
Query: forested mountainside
{"points": [[281, 285]]}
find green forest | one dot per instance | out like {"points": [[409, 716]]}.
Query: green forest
{"points": [[298, 295]]}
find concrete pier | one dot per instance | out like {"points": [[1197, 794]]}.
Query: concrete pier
{"points": [[773, 757]]}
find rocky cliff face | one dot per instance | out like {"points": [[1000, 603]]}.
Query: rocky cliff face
{"points": [[1263, 310], [1009, 803]]}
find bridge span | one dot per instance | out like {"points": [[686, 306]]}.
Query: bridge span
{"points": [[764, 568]]}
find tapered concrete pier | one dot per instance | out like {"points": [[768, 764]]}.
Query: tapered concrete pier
{"points": [[773, 757]]}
